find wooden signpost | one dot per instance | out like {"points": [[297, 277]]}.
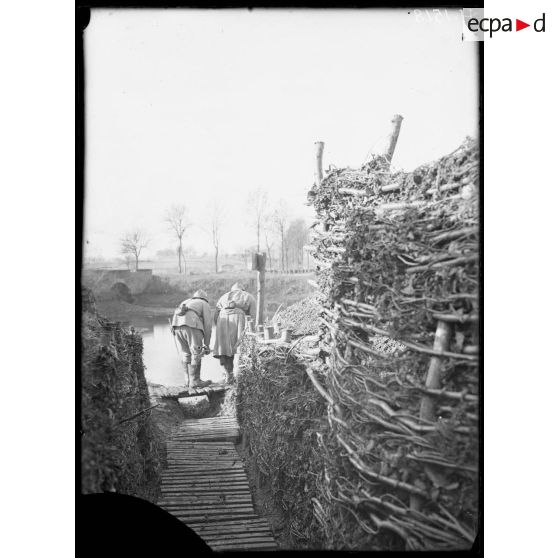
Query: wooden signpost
{"points": [[258, 265], [319, 173]]}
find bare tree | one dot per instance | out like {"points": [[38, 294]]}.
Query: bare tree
{"points": [[257, 207], [215, 227], [296, 237], [132, 243], [280, 220], [268, 237], [177, 221], [268, 234]]}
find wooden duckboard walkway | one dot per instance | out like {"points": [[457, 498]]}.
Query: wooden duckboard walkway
{"points": [[208, 430], [205, 485]]}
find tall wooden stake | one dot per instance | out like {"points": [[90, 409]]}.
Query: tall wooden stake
{"points": [[433, 381], [434, 375], [319, 173], [396, 127], [260, 300]]}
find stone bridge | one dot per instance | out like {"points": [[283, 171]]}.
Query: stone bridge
{"points": [[106, 280]]}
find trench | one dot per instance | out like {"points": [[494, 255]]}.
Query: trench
{"points": [[238, 506]]}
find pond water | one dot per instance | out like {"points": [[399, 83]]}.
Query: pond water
{"points": [[162, 362]]}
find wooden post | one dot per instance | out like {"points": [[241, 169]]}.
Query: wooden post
{"points": [[433, 381], [396, 126], [260, 301], [319, 174], [434, 375]]}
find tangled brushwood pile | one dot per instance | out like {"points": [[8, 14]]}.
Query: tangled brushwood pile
{"points": [[281, 415], [121, 449], [399, 259], [302, 317]]}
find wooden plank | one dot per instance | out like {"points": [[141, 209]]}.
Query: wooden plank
{"points": [[205, 430], [243, 545], [176, 487], [209, 509], [207, 455], [178, 462], [194, 452], [224, 472], [200, 497], [247, 523], [221, 460], [219, 528], [209, 518], [205, 422], [205, 460], [232, 436], [206, 500], [239, 475], [189, 469], [195, 446], [189, 489], [199, 478], [230, 473], [218, 533], [171, 503], [204, 453], [238, 537], [214, 473], [171, 494], [184, 514], [198, 481]]}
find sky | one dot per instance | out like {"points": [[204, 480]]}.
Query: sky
{"points": [[188, 106]]}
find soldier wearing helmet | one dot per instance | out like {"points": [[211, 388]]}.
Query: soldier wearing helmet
{"points": [[191, 324], [230, 320]]}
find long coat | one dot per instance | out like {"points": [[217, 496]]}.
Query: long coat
{"points": [[231, 312]]}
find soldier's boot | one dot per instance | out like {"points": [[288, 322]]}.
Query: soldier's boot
{"points": [[191, 375], [197, 383], [229, 367], [187, 374]]}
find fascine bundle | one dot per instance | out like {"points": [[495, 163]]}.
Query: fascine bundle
{"points": [[398, 257]]}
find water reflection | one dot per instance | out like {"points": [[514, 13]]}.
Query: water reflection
{"points": [[162, 360]]}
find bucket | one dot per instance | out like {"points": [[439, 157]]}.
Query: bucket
{"points": [[286, 335], [268, 332]]}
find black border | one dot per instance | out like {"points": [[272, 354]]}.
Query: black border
{"points": [[82, 17]]}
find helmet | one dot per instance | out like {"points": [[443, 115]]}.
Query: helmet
{"points": [[201, 294]]}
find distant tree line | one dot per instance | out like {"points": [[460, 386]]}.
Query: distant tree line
{"points": [[283, 239]]}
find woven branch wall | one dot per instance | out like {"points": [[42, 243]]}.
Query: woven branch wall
{"points": [[399, 266]]}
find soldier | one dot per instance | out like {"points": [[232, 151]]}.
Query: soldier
{"points": [[191, 324], [230, 319]]}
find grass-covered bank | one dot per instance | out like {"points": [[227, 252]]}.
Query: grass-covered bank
{"points": [[282, 416], [122, 449]]}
